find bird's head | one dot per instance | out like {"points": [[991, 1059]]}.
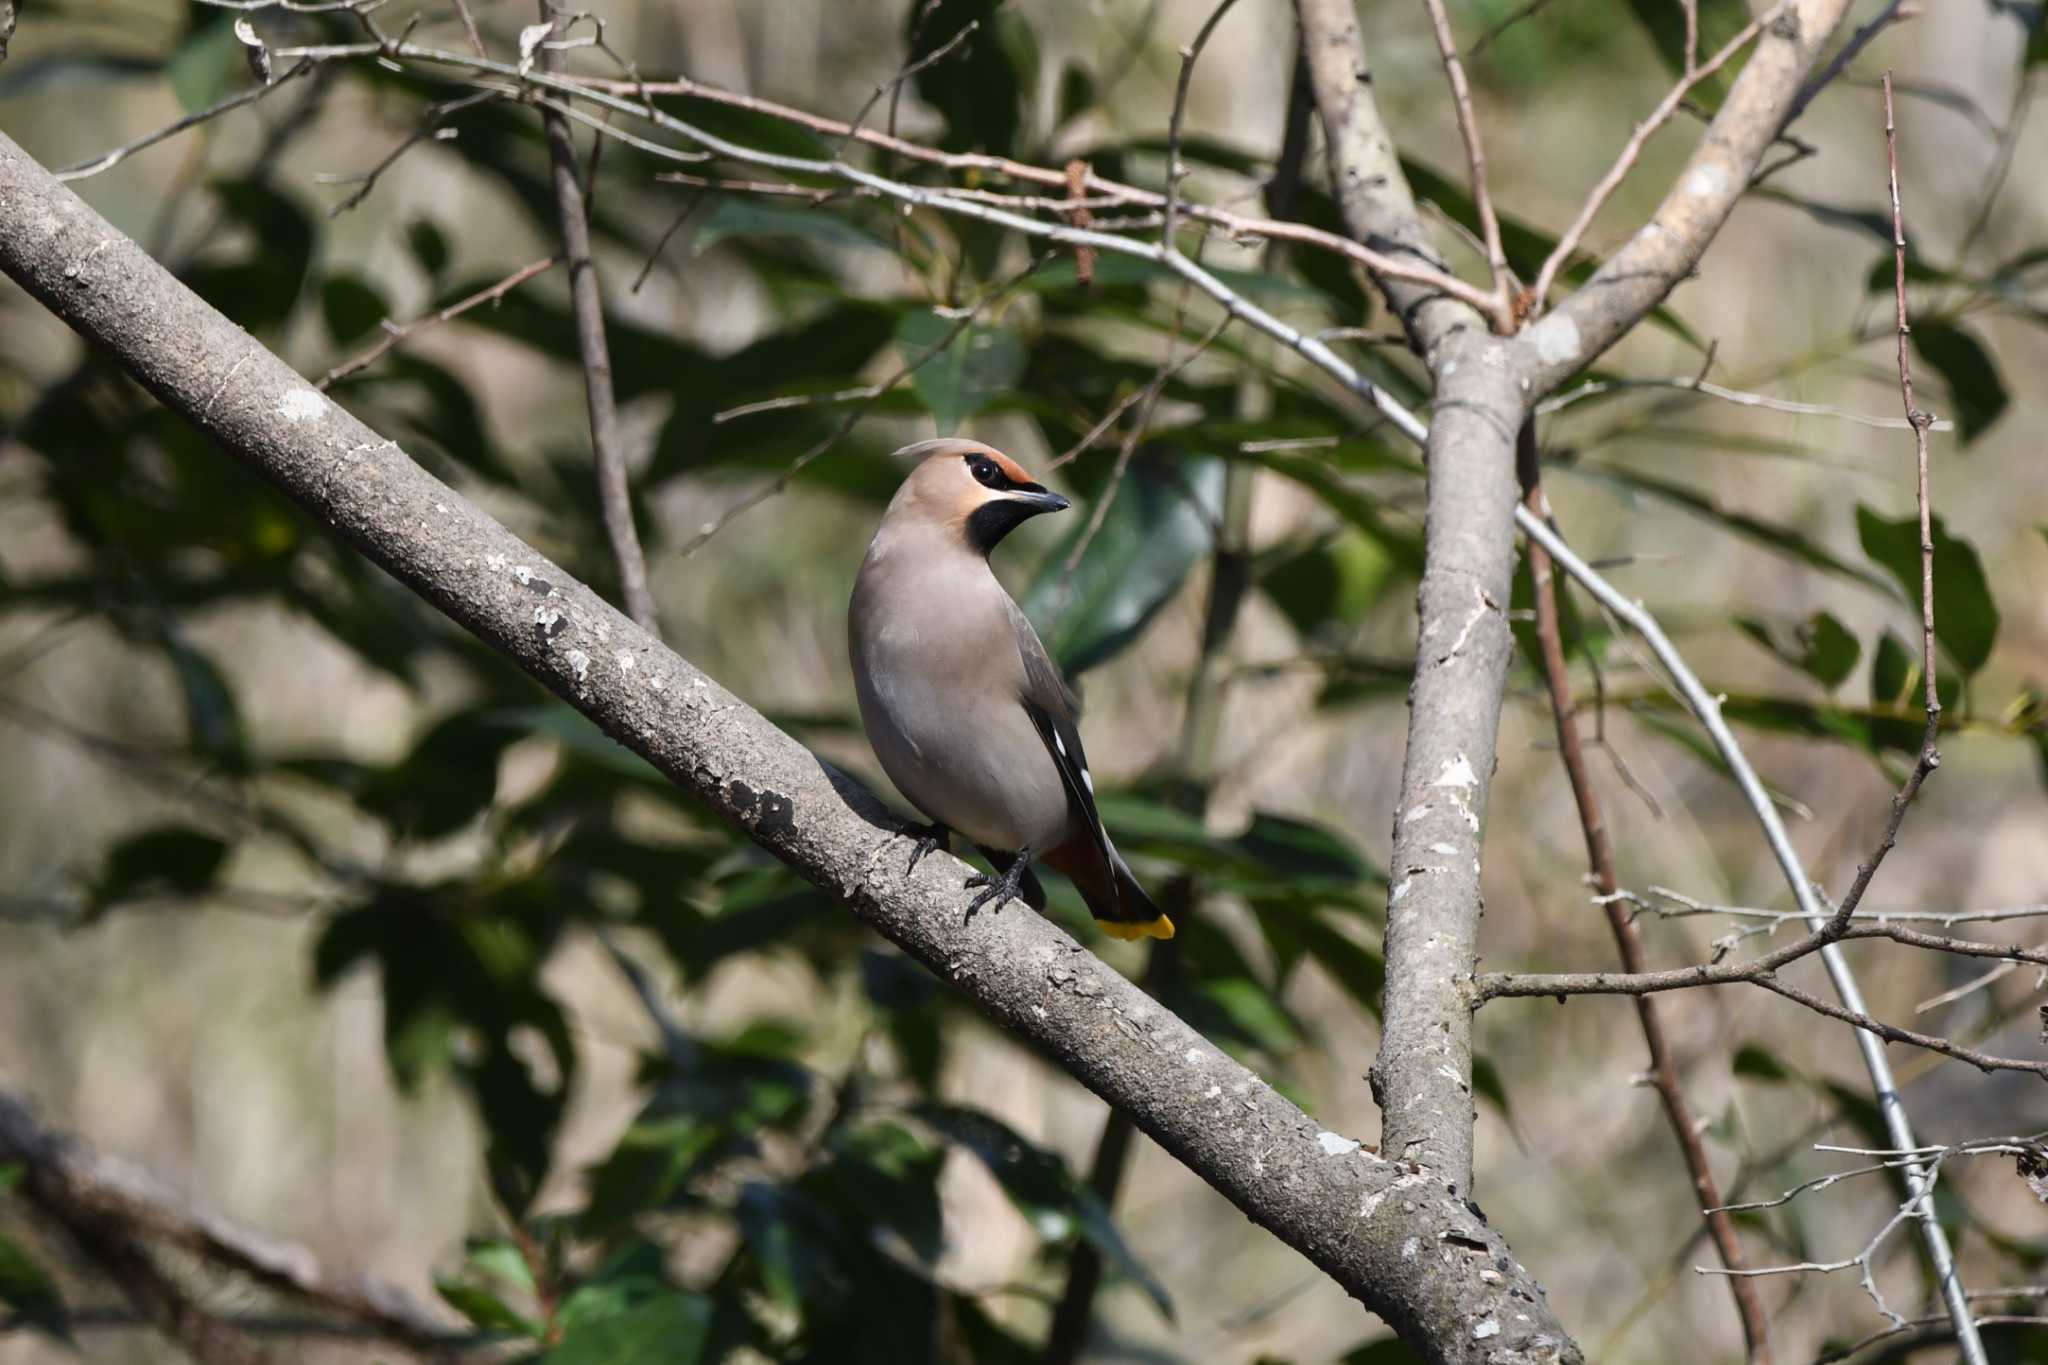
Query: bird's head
{"points": [[971, 489]]}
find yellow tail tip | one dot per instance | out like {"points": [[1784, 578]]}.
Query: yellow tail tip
{"points": [[1151, 928]]}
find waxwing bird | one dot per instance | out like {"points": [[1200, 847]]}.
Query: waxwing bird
{"points": [[967, 713]]}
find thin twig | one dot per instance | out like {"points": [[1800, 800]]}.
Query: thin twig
{"points": [[895, 83], [1860, 39], [1568, 244], [1594, 388], [469, 29], [1237, 225], [395, 335], [607, 444], [1627, 941], [1475, 163], [1970, 987], [1528, 10], [1175, 171], [837, 434], [428, 128], [110, 159]]}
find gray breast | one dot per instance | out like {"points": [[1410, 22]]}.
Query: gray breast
{"points": [[938, 674]]}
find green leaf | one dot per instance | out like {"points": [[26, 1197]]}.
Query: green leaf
{"points": [[1718, 21], [1331, 585], [1151, 537], [177, 857], [351, 308], [502, 1260], [213, 721], [1874, 223], [27, 1288], [1820, 646], [1891, 671], [1759, 1065], [1487, 1084], [983, 86], [736, 217], [1965, 616], [429, 246], [668, 1329], [200, 68], [1969, 372], [485, 1309], [960, 370]]}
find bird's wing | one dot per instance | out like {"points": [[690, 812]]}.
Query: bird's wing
{"points": [[1056, 714]]}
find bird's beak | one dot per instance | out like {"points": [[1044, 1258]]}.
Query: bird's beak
{"points": [[1041, 502]]}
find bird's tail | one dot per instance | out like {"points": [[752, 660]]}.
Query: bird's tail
{"points": [[1116, 900]]}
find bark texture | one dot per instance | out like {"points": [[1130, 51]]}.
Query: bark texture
{"points": [[1404, 1238]]}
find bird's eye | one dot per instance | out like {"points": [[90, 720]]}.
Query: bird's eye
{"points": [[985, 471]]}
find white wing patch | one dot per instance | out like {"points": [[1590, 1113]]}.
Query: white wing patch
{"points": [[1088, 781]]}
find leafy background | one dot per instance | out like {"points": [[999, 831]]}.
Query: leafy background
{"points": [[335, 922]]}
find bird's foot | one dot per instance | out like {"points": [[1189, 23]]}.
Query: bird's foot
{"points": [[930, 839], [999, 891]]}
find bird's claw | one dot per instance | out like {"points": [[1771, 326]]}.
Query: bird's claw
{"points": [[999, 891], [930, 839]]}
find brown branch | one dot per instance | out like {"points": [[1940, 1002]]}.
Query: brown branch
{"points": [[1508, 985], [116, 1212], [607, 444], [1667, 249], [1175, 172], [1628, 942], [1929, 757], [110, 159], [1435, 276], [395, 336], [1475, 158], [1568, 244]]}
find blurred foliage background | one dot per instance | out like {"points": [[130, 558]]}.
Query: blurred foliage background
{"points": [[321, 912]]}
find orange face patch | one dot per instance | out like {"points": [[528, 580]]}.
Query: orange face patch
{"points": [[1014, 472]]}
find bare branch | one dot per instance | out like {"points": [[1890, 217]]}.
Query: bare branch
{"points": [[1175, 171], [1593, 388], [110, 159], [1628, 942], [1568, 244], [396, 335], [1929, 757], [117, 1212], [1475, 156], [607, 443], [1665, 250]]}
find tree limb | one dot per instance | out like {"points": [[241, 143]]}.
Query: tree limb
{"points": [[586, 297], [1667, 248], [1422, 1077], [1401, 1237], [115, 1211]]}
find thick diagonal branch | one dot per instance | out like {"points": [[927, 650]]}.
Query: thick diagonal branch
{"points": [[1395, 1234]]}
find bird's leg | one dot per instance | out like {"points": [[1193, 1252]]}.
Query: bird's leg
{"points": [[930, 838], [1004, 888]]}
